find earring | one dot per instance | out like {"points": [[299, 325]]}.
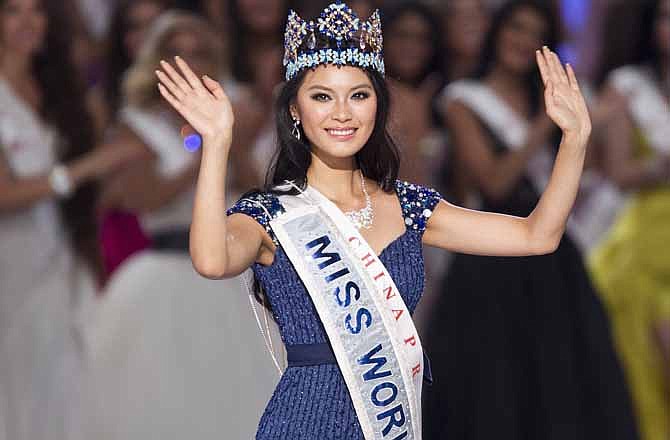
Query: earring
{"points": [[295, 131]]}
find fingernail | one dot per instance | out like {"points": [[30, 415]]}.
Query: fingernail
{"points": [[177, 57]]}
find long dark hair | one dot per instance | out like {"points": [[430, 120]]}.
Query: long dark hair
{"points": [[488, 57], [63, 106], [117, 58], [629, 37], [378, 160]]}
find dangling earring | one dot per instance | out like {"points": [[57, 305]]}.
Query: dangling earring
{"points": [[295, 131]]}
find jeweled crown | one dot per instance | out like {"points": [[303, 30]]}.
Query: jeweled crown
{"points": [[336, 37]]}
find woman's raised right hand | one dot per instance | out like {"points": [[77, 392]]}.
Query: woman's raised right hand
{"points": [[201, 102]]}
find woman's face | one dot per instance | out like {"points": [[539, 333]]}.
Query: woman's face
{"points": [[408, 47], [140, 16], [191, 45], [262, 16], [466, 24], [522, 34], [337, 107], [24, 26], [663, 28]]}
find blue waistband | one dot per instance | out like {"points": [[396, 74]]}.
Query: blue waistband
{"points": [[304, 355]]}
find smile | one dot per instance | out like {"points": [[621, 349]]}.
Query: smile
{"points": [[341, 133]]}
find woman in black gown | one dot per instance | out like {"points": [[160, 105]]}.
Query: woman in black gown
{"points": [[520, 346]]}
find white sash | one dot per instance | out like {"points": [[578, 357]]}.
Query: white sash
{"points": [[367, 322], [598, 202], [507, 125], [648, 107]]}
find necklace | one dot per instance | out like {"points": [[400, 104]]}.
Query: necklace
{"points": [[362, 218]]}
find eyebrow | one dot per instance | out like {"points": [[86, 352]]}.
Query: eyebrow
{"points": [[320, 87]]}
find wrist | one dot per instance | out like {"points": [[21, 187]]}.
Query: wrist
{"points": [[217, 141], [577, 138], [61, 181]]}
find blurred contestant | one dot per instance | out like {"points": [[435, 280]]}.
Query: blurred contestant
{"points": [[167, 346], [521, 345], [48, 253], [632, 264]]}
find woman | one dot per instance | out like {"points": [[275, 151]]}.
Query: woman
{"points": [[412, 55], [256, 64], [255, 26], [524, 334], [127, 31], [631, 265], [48, 256], [333, 147], [149, 342], [465, 23]]}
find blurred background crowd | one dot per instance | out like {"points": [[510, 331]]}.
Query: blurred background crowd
{"points": [[107, 332]]}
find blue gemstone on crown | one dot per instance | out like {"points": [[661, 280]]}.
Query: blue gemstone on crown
{"points": [[344, 40]]}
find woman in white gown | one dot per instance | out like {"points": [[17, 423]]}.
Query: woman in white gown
{"points": [[167, 347], [47, 226]]}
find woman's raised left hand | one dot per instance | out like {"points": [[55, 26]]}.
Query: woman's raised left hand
{"points": [[563, 99]]}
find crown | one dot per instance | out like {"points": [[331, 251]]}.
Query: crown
{"points": [[336, 37]]}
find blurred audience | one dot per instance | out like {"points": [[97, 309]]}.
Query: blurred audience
{"points": [[127, 30], [49, 256], [413, 57], [157, 314], [520, 346], [255, 25], [218, 14], [631, 266], [465, 25]]}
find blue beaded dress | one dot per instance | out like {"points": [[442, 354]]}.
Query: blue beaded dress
{"points": [[313, 402]]}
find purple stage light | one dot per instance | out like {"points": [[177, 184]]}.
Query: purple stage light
{"points": [[192, 142]]}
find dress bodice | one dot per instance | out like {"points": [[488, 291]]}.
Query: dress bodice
{"points": [[291, 304]]}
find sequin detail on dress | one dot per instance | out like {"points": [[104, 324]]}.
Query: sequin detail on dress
{"points": [[418, 203], [257, 206], [313, 402]]}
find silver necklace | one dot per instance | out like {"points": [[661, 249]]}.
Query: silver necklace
{"points": [[362, 218]]}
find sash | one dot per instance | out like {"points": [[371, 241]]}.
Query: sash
{"points": [[599, 201], [507, 125], [647, 105], [367, 322]]}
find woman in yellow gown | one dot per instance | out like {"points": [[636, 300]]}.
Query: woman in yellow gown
{"points": [[631, 266]]}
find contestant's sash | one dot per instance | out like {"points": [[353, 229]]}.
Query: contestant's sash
{"points": [[505, 123], [648, 107], [367, 322], [599, 201]]}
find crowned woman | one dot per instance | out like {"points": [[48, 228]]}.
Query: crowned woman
{"points": [[335, 240]]}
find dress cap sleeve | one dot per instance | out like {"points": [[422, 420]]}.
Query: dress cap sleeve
{"points": [[262, 207], [418, 203]]}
